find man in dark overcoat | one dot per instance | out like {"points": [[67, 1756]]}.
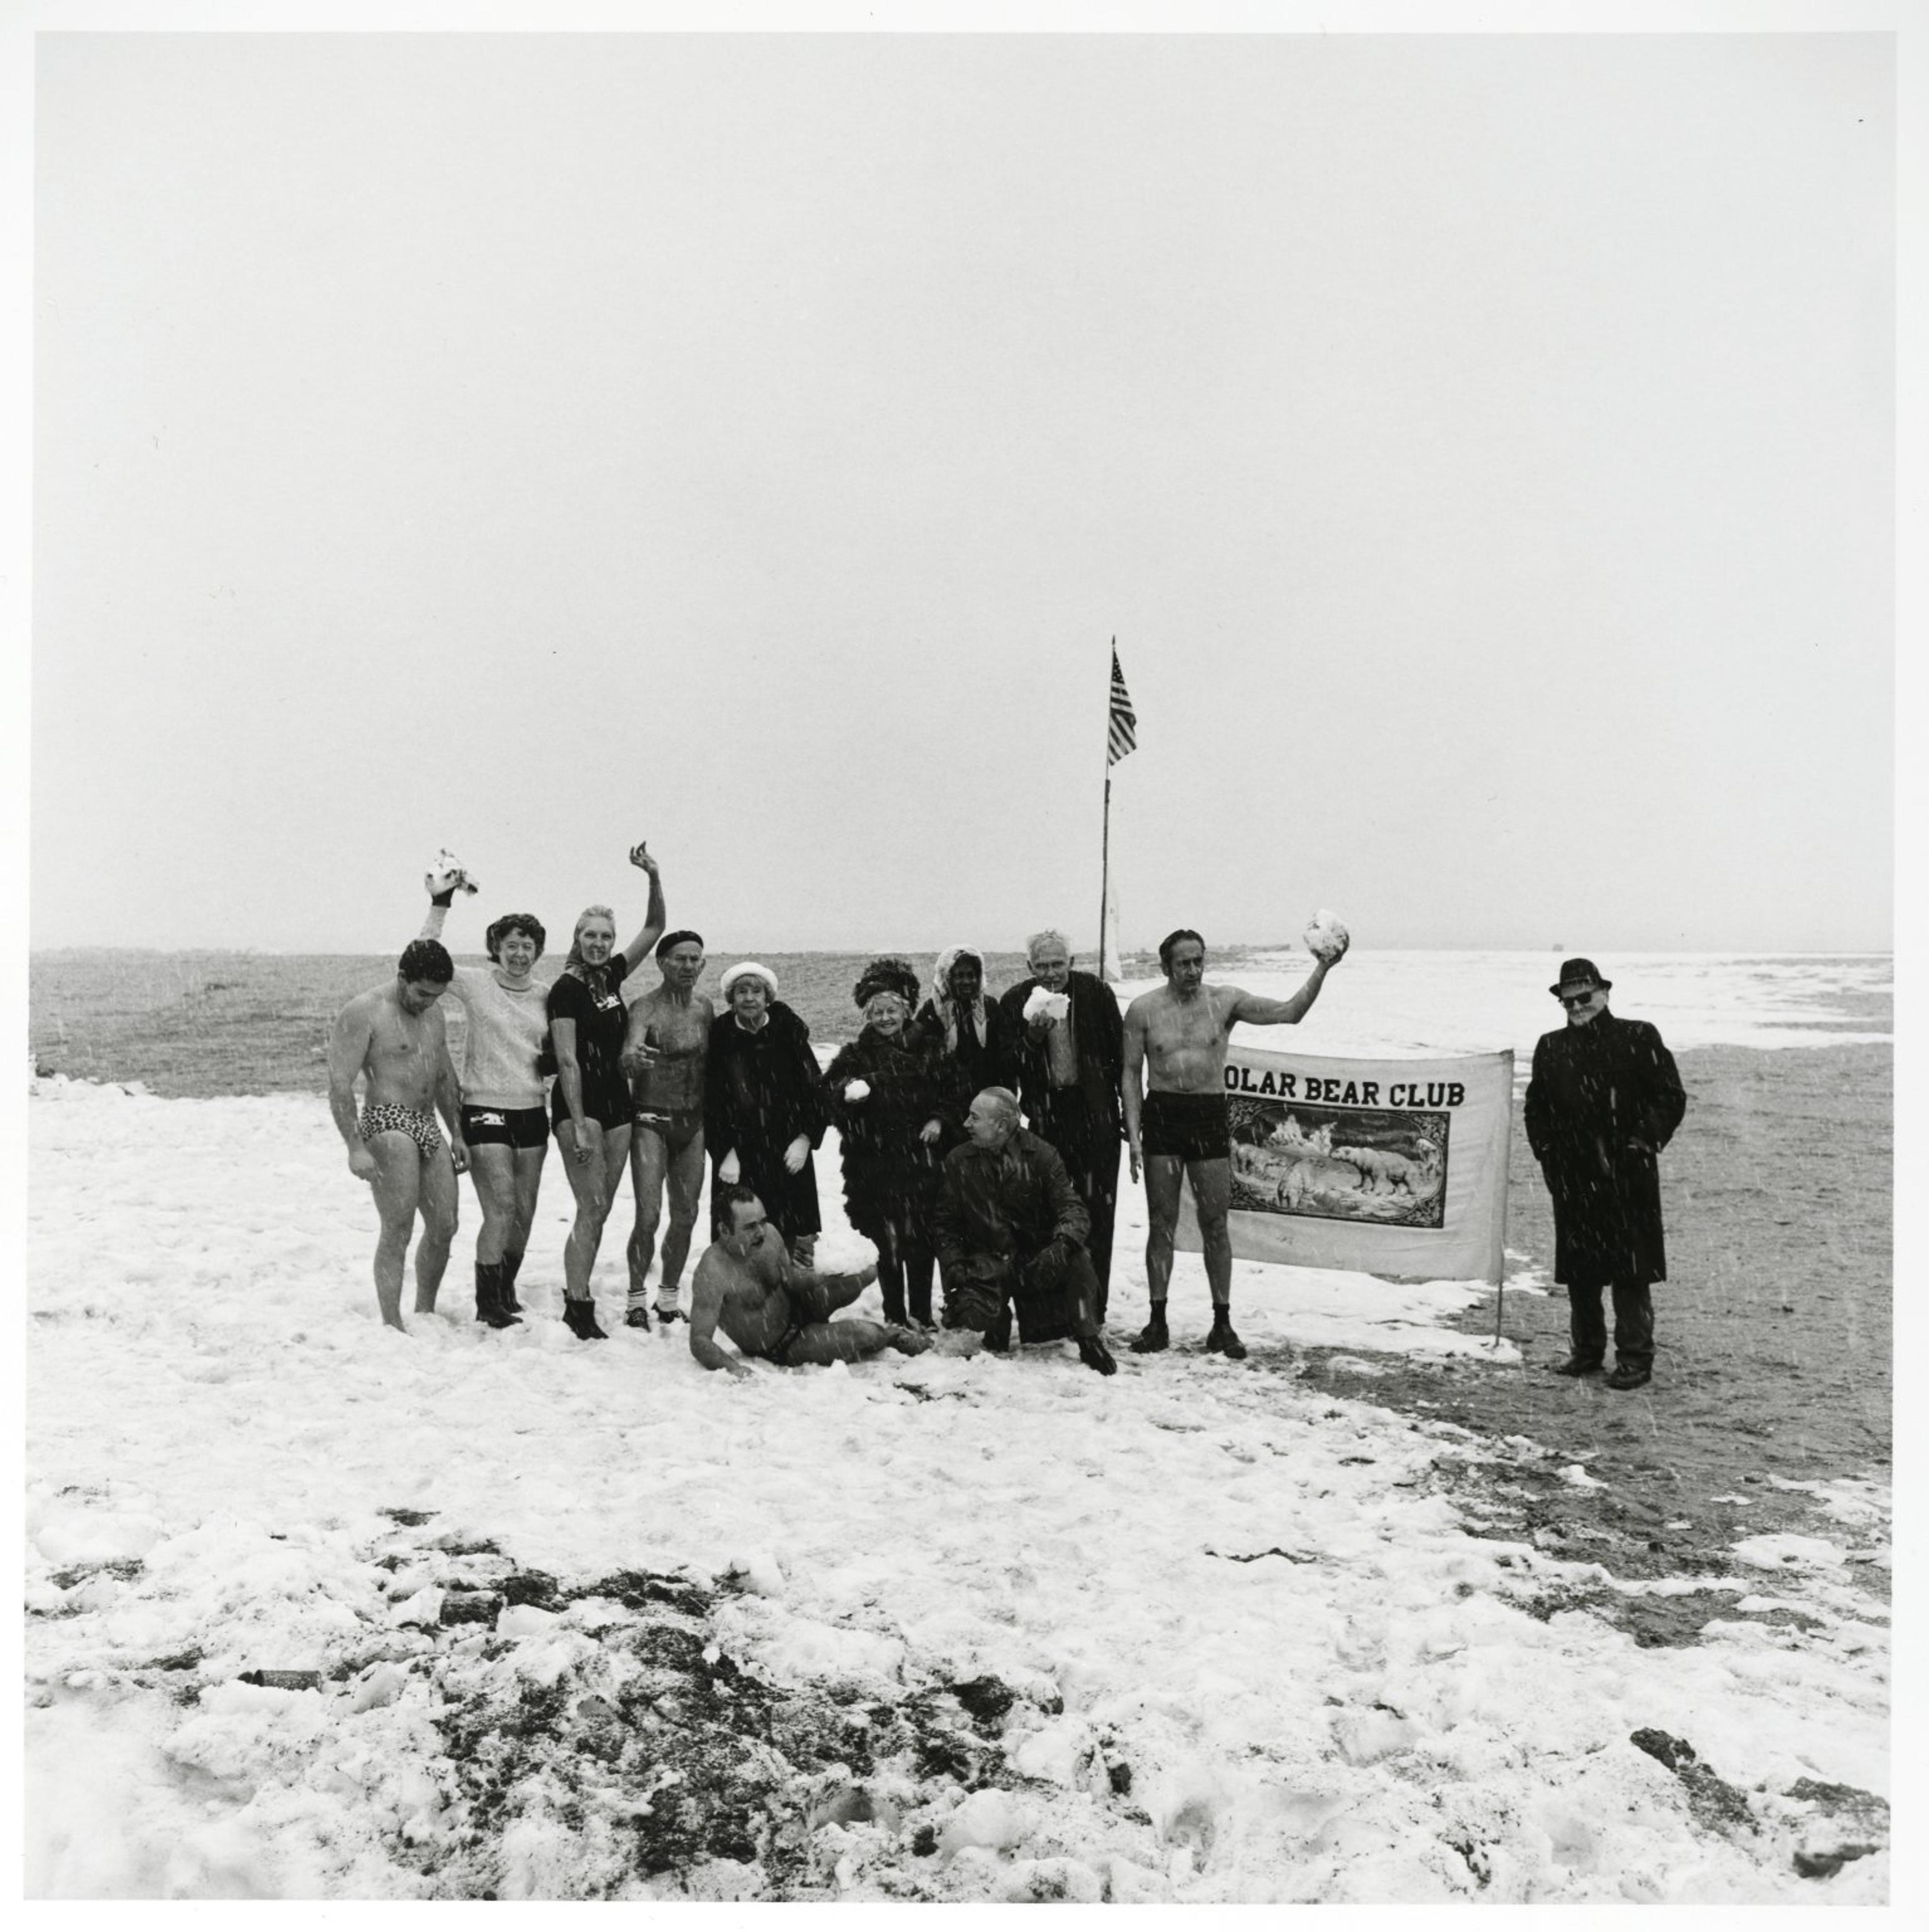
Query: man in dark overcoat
{"points": [[1603, 1100], [1070, 1063], [1009, 1229]]}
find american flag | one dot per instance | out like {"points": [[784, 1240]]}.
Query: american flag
{"points": [[1122, 728]]}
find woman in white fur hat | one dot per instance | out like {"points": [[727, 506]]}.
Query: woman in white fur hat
{"points": [[764, 1112]]}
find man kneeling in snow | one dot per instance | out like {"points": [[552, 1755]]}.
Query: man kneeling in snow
{"points": [[747, 1285], [1011, 1229]]}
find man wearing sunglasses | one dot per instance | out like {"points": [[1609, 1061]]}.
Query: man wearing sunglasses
{"points": [[1603, 1100]]}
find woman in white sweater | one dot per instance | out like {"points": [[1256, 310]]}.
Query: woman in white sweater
{"points": [[503, 1120]]}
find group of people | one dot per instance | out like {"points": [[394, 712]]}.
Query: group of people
{"points": [[981, 1137]]}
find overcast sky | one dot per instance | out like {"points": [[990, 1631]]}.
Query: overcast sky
{"points": [[1481, 449]]}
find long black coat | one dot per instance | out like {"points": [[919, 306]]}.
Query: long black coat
{"points": [[993, 1062], [1098, 1034], [891, 1175], [760, 1091], [1603, 1100]]}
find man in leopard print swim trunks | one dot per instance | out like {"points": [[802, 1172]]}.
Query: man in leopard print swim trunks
{"points": [[393, 1035]]}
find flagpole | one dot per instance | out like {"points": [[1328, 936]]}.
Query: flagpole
{"points": [[1105, 832]]}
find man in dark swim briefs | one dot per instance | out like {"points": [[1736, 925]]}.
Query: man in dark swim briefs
{"points": [[748, 1286], [392, 1037], [1179, 1126], [663, 1055]]}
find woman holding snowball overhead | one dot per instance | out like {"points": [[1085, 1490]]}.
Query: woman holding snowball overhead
{"points": [[893, 1095]]}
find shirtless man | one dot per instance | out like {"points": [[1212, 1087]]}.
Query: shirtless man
{"points": [[1179, 1127], [748, 1286], [393, 1034], [663, 1054]]}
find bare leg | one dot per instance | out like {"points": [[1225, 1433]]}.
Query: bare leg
{"points": [[1163, 1172], [854, 1340], [686, 1188], [440, 1201], [398, 1190], [492, 1167], [590, 1185], [529, 1181], [1212, 1196], [649, 1163]]}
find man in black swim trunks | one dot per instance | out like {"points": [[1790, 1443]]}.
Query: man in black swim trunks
{"points": [[1179, 1127], [664, 1056], [748, 1286]]}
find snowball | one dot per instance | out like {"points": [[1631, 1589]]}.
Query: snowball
{"points": [[446, 870], [857, 1090], [1051, 1005], [988, 1818], [758, 1570], [1326, 937]]}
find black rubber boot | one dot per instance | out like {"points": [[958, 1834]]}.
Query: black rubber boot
{"points": [[512, 1266], [1095, 1354], [1579, 1365], [636, 1316], [489, 1296], [1153, 1337], [1221, 1340], [998, 1331], [580, 1319], [1629, 1376]]}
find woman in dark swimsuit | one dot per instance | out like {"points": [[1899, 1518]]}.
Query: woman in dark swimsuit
{"points": [[589, 1104]]}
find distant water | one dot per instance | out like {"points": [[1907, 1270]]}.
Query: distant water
{"points": [[195, 1024], [202, 1023]]}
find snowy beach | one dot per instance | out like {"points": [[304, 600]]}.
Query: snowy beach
{"points": [[589, 1622]]}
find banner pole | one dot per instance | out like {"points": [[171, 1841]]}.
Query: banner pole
{"points": [[1105, 824]]}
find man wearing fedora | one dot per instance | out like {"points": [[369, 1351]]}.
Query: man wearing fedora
{"points": [[1603, 1100]]}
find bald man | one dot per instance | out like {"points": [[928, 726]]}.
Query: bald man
{"points": [[1011, 1229]]}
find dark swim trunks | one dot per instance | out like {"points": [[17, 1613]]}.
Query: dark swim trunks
{"points": [[519, 1127], [675, 1127], [779, 1351], [1185, 1126], [385, 1117]]}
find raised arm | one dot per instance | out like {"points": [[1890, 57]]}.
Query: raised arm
{"points": [[347, 1050], [706, 1303], [654, 922], [1256, 1012]]}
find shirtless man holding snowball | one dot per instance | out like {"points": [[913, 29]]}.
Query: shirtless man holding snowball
{"points": [[1177, 1126]]}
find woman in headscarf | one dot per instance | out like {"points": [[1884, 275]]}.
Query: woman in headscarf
{"points": [[892, 1094], [763, 1104], [980, 1040], [589, 1104]]}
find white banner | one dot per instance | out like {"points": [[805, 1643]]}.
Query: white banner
{"points": [[1389, 1167]]}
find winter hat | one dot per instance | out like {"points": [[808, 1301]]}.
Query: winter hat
{"points": [[1580, 974], [740, 969], [889, 975]]}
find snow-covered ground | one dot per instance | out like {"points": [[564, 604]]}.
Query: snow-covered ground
{"points": [[1240, 1645]]}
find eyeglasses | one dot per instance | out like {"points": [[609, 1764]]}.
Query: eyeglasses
{"points": [[1570, 1000]]}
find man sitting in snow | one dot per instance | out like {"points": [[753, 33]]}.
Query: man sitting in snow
{"points": [[1011, 1229], [747, 1285]]}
